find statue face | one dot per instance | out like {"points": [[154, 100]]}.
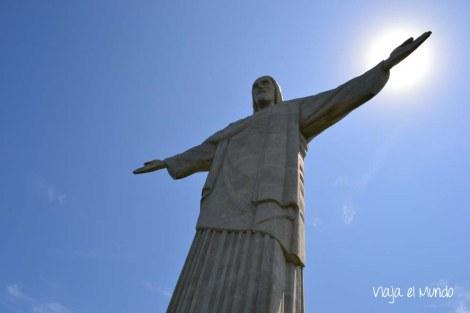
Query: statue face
{"points": [[264, 92]]}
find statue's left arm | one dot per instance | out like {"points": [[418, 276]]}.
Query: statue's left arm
{"points": [[323, 110]]}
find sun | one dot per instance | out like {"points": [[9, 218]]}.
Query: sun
{"points": [[412, 71]]}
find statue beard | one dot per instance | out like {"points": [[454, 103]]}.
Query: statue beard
{"points": [[264, 102]]}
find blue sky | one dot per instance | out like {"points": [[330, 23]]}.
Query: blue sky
{"points": [[89, 90]]}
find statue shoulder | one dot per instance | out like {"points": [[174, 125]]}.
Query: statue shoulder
{"points": [[313, 99], [231, 129]]}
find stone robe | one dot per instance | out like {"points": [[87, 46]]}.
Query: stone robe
{"points": [[256, 179]]}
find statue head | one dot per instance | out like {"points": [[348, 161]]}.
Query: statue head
{"points": [[266, 92]]}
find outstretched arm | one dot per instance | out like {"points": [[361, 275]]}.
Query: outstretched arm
{"points": [[196, 159], [323, 110]]}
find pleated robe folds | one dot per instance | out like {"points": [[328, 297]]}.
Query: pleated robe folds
{"points": [[248, 253]]}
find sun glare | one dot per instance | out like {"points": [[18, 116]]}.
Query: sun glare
{"points": [[412, 71]]}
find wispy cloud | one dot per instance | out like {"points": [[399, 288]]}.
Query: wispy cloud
{"points": [[15, 292], [378, 160], [458, 303], [462, 309], [154, 287], [317, 222], [358, 185], [52, 307], [462, 299], [348, 214], [48, 191], [342, 181]]}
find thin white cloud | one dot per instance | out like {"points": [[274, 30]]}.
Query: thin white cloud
{"points": [[357, 186], [342, 181], [154, 287], [317, 222], [378, 160], [15, 292], [349, 213], [462, 308], [462, 299], [458, 303], [52, 307], [48, 191]]}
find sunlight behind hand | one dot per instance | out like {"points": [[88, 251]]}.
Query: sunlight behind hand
{"points": [[411, 72]]}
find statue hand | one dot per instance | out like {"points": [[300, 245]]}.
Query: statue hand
{"points": [[404, 50], [150, 166]]}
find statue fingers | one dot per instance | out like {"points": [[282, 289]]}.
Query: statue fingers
{"points": [[423, 38], [156, 163], [140, 170], [419, 41], [406, 42], [145, 169], [416, 43]]}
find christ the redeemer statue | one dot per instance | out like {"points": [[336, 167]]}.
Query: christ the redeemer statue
{"points": [[248, 252]]}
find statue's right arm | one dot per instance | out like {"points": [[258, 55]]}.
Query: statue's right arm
{"points": [[196, 159]]}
